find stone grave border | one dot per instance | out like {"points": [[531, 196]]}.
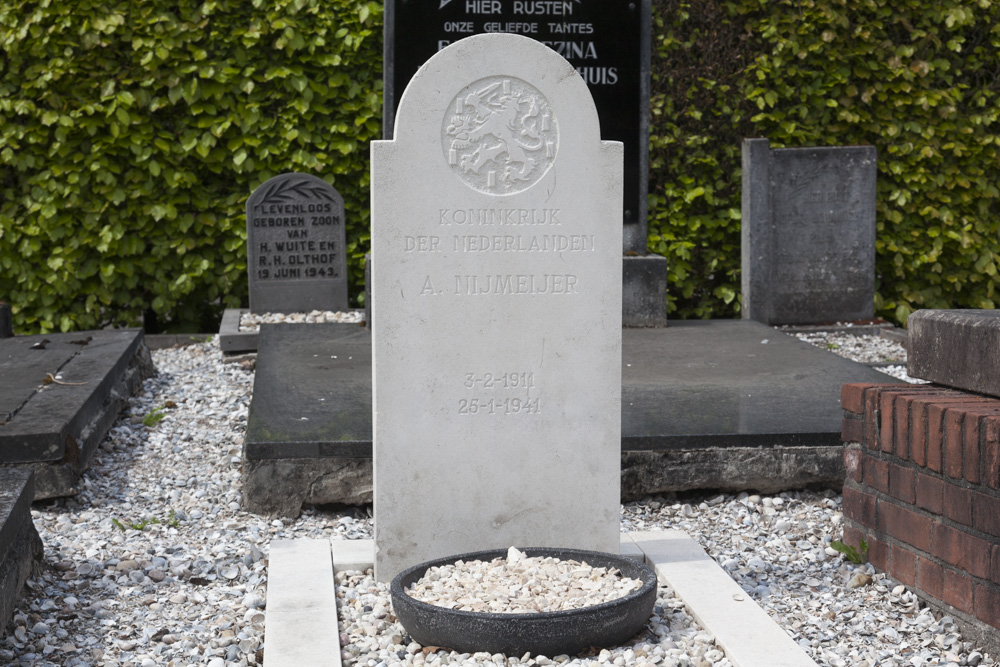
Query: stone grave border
{"points": [[301, 599]]}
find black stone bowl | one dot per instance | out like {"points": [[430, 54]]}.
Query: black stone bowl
{"points": [[547, 633]]}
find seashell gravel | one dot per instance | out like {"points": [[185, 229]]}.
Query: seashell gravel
{"points": [[155, 563], [520, 584]]}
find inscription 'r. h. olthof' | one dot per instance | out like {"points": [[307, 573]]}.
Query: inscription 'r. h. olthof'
{"points": [[499, 135]]}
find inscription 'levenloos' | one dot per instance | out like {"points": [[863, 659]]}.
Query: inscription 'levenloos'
{"points": [[516, 284], [499, 216]]}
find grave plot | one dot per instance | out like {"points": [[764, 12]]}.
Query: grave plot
{"points": [[61, 394], [296, 256]]}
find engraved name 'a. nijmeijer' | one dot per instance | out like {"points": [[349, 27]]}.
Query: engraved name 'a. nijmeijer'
{"points": [[499, 216], [515, 284]]}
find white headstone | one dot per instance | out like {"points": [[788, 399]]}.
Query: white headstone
{"points": [[497, 268]]}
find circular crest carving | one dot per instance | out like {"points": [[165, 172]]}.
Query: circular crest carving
{"points": [[500, 135]]}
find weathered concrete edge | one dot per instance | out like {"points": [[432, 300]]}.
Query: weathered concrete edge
{"points": [[301, 617], [21, 554], [280, 487], [741, 627], [231, 339]]}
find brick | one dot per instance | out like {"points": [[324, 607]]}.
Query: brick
{"points": [[930, 493], [986, 513], [988, 605], [853, 463], [904, 565], [877, 474], [878, 554], [886, 425], [852, 536], [991, 453], [852, 397], [901, 483], [935, 435], [966, 552], [905, 525], [971, 447], [871, 417], [958, 590], [995, 564], [903, 406], [852, 429], [951, 462], [918, 432], [958, 504], [859, 507], [930, 578]]}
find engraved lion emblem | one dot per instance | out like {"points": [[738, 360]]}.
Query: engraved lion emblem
{"points": [[500, 135]]}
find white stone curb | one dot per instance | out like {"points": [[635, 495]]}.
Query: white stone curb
{"points": [[741, 628], [301, 619]]}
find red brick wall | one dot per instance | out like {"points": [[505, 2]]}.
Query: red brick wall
{"points": [[923, 489]]}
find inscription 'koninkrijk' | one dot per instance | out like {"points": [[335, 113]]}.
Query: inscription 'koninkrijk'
{"points": [[499, 135]]}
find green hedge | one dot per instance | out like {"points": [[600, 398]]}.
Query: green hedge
{"points": [[133, 132], [918, 79]]}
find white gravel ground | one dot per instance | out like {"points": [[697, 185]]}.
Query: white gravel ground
{"points": [[154, 562]]}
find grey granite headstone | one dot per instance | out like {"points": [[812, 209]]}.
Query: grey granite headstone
{"points": [[808, 233], [957, 348], [497, 282], [296, 255]]}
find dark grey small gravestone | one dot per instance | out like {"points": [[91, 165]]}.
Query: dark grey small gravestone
{"points": [[296, 255], [957, 348], [6, 321], [808, 233]]}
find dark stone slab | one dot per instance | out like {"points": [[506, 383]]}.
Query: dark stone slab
{"points": [[6, 321], [808, 234], [296, 246], [644, 291], [20, 546], [231, 339], [710, 393], [608, 42], [55, 425], [957, 348]]}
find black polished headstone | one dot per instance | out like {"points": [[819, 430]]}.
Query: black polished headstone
{"points": [[296, 254], [606, 40], [808, 233]]}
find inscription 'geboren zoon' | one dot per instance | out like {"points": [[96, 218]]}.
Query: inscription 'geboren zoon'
{"points": [[499, 135]]}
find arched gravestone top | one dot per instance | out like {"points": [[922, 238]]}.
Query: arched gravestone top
{"points": [[296, 258], [497, 283]]}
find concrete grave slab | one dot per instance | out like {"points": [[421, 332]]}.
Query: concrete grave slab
{"points": [[706, 404], [497, 277], [61, 394], [808, 235], [20, 546], [296, 246], [956, 348]]}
